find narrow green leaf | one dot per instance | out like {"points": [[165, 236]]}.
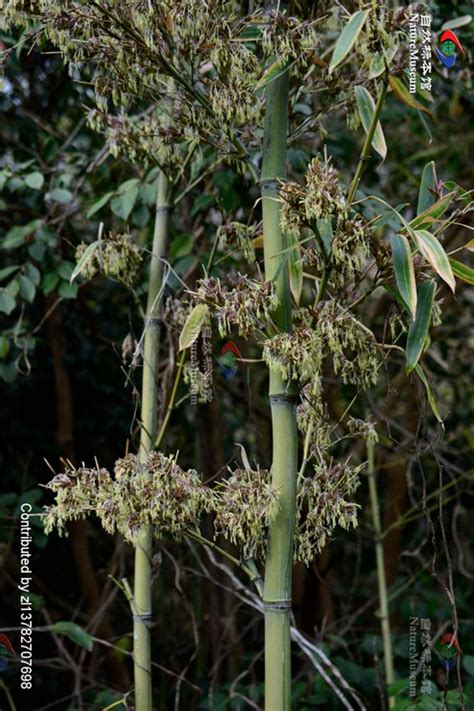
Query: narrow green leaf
{"points": [[275, 70], [193, 325], [348, 38], [98, 204], [295, 269], [418, 329], [366, 106], [426, 196], [462, 271], [404, 271], [84, 259], [4, 346], [401, 91], [429, 393], [432, 213], [434, 252], [457, 22], [75, 633]]}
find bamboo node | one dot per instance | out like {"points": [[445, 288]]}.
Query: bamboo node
{"points": [[277, 605]]}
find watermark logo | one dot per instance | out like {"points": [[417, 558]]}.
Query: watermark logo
{"points": [[449, 44], [448, 650], [6, 652], [227, 360]]}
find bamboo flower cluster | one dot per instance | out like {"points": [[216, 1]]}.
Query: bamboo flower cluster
{"points": [[117, 257]]}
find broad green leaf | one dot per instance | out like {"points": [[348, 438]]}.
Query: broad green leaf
{"points": [[67, 290], [7, 271], [366, 106], [75, 633], [181, 245], [128, 185], [468, 663], [34, 180], [462, 271], [295, 269], [84, 259], [418, 329], [27, 288], [98, 204], [32, 273], [400, 90], [193, 325], [426, 196], [404, 271], [140, 216], [432, 213], [65, 270], [348, 38], [434, 252], [16, 235], [122, 205], [60, 195], [201, 203], [49, 282], [7, 302], [434, 408], [272, 72]]}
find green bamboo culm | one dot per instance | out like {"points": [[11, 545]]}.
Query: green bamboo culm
{"points": [[382, 582], [142, 602], [278, 567]]}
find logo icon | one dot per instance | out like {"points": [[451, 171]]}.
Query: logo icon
{"points": [[449, 44], [448, 650], [227, 360], [6, 651]]}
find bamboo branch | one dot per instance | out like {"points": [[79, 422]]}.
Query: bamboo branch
{"points": [[382, 583]]}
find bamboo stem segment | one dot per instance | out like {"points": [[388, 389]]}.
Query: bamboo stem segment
{"points": [[278, 567], [382, 583], [149, 414]]}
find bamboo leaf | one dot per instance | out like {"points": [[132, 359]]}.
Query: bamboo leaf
{"points": [[84, 259], [193, 325], [426, 196], [418, 329], [75, 633], [404, 271], [432, 213], [295, 269], [98, 204], [272, 72], [433, 251], [462, 271], [348, 38], [419, 371], [366, 106], [457, 22], [402, 93]]}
